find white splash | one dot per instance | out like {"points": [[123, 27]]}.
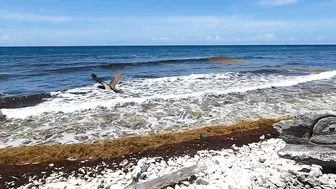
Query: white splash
{"points": [[165, 104], [141, 90]]}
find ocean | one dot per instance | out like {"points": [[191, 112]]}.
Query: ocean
{"points": [[49, 97]]}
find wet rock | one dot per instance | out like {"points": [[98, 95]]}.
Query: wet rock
{"points": [[194, 115], [310, 138], [133, 121], [146, 107], [123, 105], [23, 101], [81, 137], [26, 142], [28, 120], [110, 117], [2, 116]]}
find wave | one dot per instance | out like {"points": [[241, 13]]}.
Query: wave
{"points": [[147, 63], [268, 71], [23, 101], [163, 90], [288, 70], [281, 71], [260, 57], [10, 102]]}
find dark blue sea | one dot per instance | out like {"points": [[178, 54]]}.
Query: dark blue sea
{"points": [[49, 97]]}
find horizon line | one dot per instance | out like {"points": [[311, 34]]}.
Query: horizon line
{"points": [[158, 45]]}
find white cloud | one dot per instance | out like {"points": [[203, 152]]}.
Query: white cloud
{"points": [[192, 29], [6, 15], [277, 2], [164, 25]]}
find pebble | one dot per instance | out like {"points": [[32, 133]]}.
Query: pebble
{"points": [[256, 165], [327, 187], [278, 182], [201, 182]]}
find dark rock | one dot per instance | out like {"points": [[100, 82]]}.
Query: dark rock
{"points": [[305, 170], [202, 182], [310, 138], [81, 138], [324, 131], [310, 154], [23, 101], [301, 127], [2, 116]]}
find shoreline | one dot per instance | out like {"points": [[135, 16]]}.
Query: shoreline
{"points": [[122, 146], [239, 134]]}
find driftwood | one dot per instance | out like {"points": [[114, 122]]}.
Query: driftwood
{"points": [[169, 179]]}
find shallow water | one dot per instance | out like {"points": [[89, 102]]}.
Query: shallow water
{"points": [[163, 89]]}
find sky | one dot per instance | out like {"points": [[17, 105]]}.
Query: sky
{"points": [[166, 22]]}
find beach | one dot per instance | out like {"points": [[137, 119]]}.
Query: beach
{"points": [[57, 117]]}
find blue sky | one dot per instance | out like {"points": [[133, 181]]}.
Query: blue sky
{"points": [[160, 22]]}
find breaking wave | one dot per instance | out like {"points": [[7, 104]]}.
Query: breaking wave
{"points": [[142, 90]]}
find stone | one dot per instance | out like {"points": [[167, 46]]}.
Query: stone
{"points": [[277, 182], [315, 173], [272, 186], [308, 180], [310, 138], [2, 116], [324, 179], [100, 186], [298, 127], [202, 182], [81, 137], [310, 154], [324, 131], [327, 187]]}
